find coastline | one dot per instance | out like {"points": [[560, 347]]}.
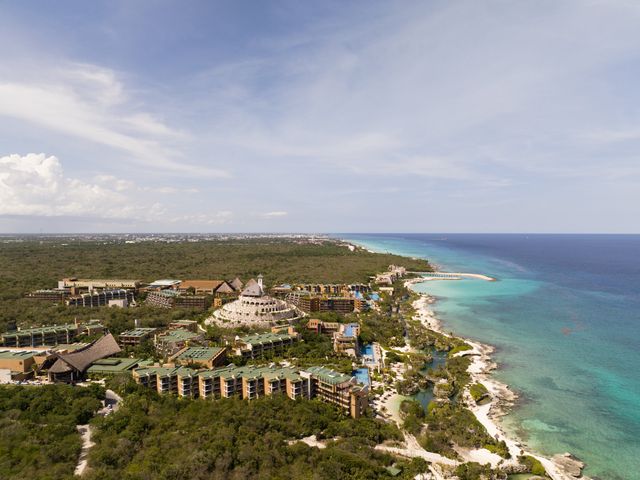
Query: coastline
{"points": [[560, 466]]}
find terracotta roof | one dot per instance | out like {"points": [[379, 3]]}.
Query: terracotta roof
{"points": [[82, 358], [201, 284]]}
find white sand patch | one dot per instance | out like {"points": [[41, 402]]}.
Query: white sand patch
{"points": [[502, 398]]}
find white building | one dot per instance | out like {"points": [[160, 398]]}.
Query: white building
{"points": [[255, 308]]}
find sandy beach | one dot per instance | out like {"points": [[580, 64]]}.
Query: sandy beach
{"points": [[561, 467]]}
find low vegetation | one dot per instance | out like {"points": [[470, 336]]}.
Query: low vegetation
{"points": [[533, 465], [475, 471], [450, 424], [165, 437], [478, 392], [39, 438]]}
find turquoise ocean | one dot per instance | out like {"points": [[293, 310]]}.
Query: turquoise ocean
{"points": [[564, 317]]}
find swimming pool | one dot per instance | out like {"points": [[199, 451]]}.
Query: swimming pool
{"points": [[362, 375], [368, 354]]}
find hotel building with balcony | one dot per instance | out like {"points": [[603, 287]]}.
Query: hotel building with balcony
{"points": [[251, 382]]}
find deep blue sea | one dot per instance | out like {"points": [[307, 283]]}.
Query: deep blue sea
{"points": [[565, 318]]}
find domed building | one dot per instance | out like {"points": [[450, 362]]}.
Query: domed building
{"points": [[253, 307]]}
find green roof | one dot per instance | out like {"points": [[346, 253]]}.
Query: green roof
{"points": [[199, 353], [329, 376], [177, 335], [41, 330], [17, 354], [113, 365], [138, 332], [166, 371], [251, 372], [266, 338]]}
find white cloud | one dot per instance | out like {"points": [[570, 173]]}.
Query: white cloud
{"points": [[423, 91], [606, 136], [89, 102], [122, 185], [208, 219], [275, 214], [36, 185]]}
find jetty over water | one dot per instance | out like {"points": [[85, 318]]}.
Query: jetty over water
{"points": [[454, 276]]}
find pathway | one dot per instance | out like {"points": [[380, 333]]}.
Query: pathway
{"points": [[413, 449], [85, 435]]}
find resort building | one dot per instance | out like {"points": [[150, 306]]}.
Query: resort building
{"points": [[252, 382], [345, 336], [261, 344], [201, 357], [206, 287], [99, 284], [34, 337], [107, 367], [172, 341], [55, 295], [161, 298], [332, 289], [181, 381], [255, 308], [319, 326], [339, 389], [345, 340], [100, 299], [174, 299], [385, 278], [196, 302], [237, 284], [282, 290], [190, 325], [54, 335], [119, 303], [311, 303], [133, 338], [398, 270], [70, 367], [19, 363], [163, 284], [392, 274]]}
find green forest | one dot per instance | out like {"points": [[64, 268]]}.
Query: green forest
{"points": [[165, 437], [39, 439]]}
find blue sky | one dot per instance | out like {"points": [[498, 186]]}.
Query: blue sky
{"points": [[294, 116]]}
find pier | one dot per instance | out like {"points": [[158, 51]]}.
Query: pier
{"points": [[454, 275]]}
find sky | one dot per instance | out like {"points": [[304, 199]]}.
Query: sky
{"points": [[288, 116]]}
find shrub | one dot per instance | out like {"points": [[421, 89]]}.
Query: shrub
{"points": [[533, 465], [478, 392]]}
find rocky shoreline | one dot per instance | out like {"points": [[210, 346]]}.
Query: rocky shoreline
{"points": [[559, 467]]}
